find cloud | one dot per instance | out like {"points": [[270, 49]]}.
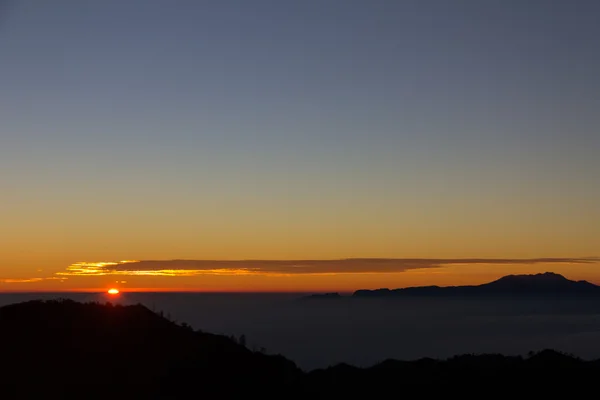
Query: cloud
{"points": [[24, 280], [285, 267], [30, 280]]}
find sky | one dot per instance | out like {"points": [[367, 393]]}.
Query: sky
{"points": [[277, 130]]}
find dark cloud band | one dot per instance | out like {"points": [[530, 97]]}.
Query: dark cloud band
{"points": [[289, 267]]}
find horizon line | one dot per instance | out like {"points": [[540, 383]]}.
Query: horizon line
{"points": [[237, 291]]}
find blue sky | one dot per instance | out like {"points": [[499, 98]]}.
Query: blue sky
{"points": [[369, 128]]}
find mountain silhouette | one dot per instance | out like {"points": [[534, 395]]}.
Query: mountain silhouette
{"points": [[323, 296], [61, 345], [543, 284], [64, 349]]}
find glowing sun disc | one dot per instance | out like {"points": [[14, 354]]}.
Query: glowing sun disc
{"points": [[113, 291]]}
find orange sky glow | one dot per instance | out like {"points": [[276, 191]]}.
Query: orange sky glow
{"points": [[311, 151], [344, 275]]}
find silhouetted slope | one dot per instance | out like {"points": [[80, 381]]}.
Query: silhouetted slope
{"points": [[546, 284], [58, 344], [63, 349], [545, 373]]}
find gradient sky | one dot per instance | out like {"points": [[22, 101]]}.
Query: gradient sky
{"points": [[313, 129]]}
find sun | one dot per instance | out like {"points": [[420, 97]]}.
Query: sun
{"points": [[113, 291]]}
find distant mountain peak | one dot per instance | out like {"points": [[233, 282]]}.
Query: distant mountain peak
{"points": [[544, 284], [331, 295], [541, 275], [535, 280]]}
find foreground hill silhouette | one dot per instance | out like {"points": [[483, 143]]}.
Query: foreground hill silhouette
{"points": [[64, 346], [545, 284], [65, 349]]}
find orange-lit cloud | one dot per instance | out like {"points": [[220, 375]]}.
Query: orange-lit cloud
{"points": [[137, 269], [21, 280], [31, 280], [285, 267]]}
